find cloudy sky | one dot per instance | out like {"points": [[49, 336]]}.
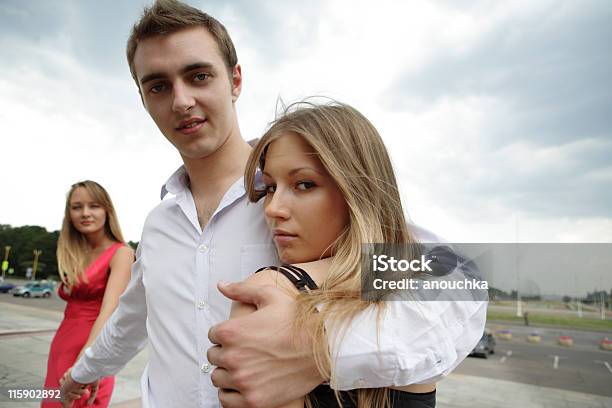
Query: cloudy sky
{"points": [[498, 115]]}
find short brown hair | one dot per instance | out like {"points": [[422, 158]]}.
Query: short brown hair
{"points": [[169, 16]]}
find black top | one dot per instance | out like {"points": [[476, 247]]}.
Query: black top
{"points": [[323, 396]]}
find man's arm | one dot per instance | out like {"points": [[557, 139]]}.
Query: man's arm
{"points": [[122, 337], [416, 343], [258, 357], [239, 309]]}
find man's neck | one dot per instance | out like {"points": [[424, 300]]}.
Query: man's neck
{"points": [[212, 175]]}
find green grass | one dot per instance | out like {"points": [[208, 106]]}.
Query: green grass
{"points": [[571, 322]]}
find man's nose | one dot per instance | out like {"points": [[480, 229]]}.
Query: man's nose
{"points": [[183, 100]]}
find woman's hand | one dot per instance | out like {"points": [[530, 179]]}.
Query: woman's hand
{"points": [[72, 390]]}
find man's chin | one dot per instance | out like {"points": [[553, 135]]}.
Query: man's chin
{"points": [[196, 153]]}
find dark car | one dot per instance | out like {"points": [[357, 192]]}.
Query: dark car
{"points": [[485, 346], [6, 287]]}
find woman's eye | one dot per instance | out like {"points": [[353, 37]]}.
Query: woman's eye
{"points": [[270, 188], [305, 185], [201, 76]]}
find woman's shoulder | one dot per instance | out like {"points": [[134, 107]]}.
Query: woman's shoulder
{"points": [[123, 253], [277, 276], [271, 277], [317, 270]]}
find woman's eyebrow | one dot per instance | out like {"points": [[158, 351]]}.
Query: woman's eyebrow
{"points": [[292, 172], [296, 170]]}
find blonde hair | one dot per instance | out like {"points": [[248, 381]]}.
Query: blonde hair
{"points": [[354, 155], [72, 246]]}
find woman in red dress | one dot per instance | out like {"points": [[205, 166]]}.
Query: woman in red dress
{"points": [[94, 265]]}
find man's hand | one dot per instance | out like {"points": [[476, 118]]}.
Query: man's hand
{"points": [[260, 363], [72, 390]]}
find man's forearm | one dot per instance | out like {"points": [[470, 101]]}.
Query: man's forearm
{"points": [[412, 343], [121, 338]]}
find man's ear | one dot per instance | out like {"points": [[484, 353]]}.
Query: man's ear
{"points": [[236, 82]]}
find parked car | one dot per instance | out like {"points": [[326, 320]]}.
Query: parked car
{"points": [[34, 289], [6, 287], [485, 346]]}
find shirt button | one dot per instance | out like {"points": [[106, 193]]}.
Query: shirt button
{"points": [[359, 383], [201, 305], [203, 248], [205, 368]]}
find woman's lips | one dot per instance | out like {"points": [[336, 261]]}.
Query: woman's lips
{"points": [[284, 239]]}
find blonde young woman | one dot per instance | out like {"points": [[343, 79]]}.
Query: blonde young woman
{"points": [[94, 265], [328, 187]]}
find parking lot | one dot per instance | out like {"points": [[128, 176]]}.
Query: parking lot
{"points": [[546, 364]]}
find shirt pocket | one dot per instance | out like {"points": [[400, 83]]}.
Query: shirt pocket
{"points": [[255, 256]]}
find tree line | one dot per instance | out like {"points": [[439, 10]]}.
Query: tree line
{"points": [[23, 241]]}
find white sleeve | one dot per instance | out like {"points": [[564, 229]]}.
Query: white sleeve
{"points": [[123, 335], [412, 342]]}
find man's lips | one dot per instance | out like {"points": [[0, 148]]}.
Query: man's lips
{"points": [[191, 125]]}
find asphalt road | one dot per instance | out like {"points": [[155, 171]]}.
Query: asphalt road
{"points": [[52, 303], [577, 369], [583, 368]]}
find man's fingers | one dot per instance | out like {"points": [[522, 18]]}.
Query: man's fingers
{"points": [[231, 399], [213, 335], [244, 292], [221, 378], [213, 355]]}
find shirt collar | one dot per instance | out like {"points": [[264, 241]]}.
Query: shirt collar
{"points": [[176, 183], [179, 182]]}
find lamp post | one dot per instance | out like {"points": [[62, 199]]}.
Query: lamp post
{"points": [[5, 263], [37, 253], [578, 301], [519, 309]]}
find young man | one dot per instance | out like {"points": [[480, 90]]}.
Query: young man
{"points": [[186, 69]]}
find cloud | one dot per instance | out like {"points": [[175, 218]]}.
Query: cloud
{"points": [[547, 73], [526, 105], [490, 110]]}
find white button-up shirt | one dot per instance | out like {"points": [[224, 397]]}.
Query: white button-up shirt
{"points": [[172, 301]]}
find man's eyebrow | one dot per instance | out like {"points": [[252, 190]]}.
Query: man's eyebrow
{"points": [[159, 75]]}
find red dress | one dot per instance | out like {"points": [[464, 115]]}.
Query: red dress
{"points": [[82, 309]]}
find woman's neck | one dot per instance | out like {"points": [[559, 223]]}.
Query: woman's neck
{"points": [[98, 240]]}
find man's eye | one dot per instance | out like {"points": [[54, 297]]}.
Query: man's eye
{"points": [[270, 188], [305, 185], [158, 87], [200, 76]]}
